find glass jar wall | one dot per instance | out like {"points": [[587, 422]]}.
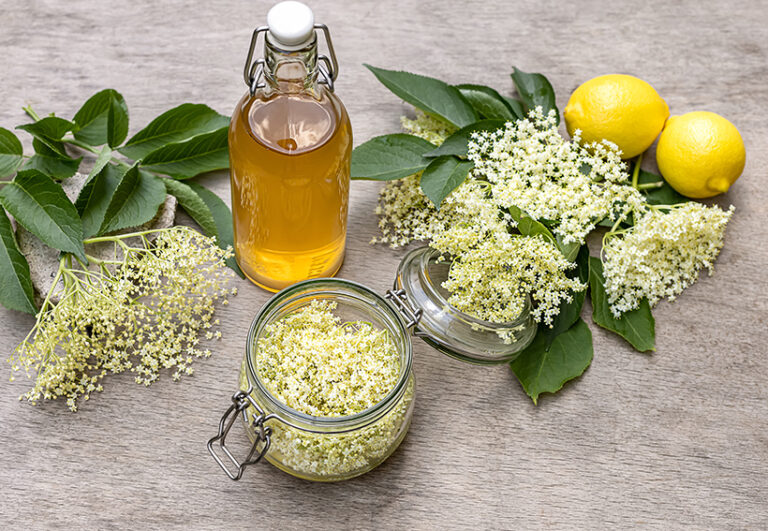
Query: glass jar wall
{"points": [[330, 448]]}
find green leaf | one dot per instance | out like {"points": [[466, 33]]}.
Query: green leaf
{"points": [[193, 205], [16, 291], [637, 326], [180, 123], [528, 226], [11, 152], [544, 370], [222, 216], [103, 119], [428, 94], [570, 311], [456, 144], [102, 159], [185, 159], [95, 196], [666, 195], [443, 176], [535, 90], [516, 106], [487, 102], [389, 157], [52, 163], [135, 201], [569, 250], [50, 131], [40, 205]]}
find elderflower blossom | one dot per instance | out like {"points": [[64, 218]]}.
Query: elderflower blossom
{"points": [[662, 254], [531, 166], [494, 279], [143, 312], [405, 213], [312, 362]]}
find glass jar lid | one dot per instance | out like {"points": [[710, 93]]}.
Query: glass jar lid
{"points": [[418, 292]]}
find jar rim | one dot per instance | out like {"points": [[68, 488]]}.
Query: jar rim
{"points": [[356, 420]]}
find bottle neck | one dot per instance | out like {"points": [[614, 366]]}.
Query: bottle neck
{"points": [[291, 71]]}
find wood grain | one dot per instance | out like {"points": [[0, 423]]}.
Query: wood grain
{"points": [[677, 439]]}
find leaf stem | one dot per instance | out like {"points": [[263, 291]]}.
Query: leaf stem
{"points": [[636, 171], [118, 237], [650, 186], [32, 114]]}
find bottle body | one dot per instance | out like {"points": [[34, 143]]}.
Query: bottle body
{"points": [[289, 167]]}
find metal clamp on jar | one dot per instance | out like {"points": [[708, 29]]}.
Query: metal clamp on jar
{"points": [[337, 448]]}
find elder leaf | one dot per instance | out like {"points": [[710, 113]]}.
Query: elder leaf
{"points": [[40, 205], [193, 205], [94, 198], [535, 90], [428, 94], [222, 216], [544, 369], [50, 131], [51, 162], [188, 158], [389, 157], [637, 326], [11, 152], [570, 311], [443, 176], [487, 102], [16, 291], [135, 201], [528, 226], [456, 144], [103, 119], [177, 124], [665, 195]]}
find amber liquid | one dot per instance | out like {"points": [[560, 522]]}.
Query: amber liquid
{"points": [[289, 167]]}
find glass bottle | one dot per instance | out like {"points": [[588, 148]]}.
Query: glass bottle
{"points": [[290, 142]]}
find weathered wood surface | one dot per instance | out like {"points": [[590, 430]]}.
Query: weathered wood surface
{"points": [[676, 439]]}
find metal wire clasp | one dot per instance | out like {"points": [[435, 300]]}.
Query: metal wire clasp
{"points": [[253, 72], [329, 68], [240, 402], [400, 300]]}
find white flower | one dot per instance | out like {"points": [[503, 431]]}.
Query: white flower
{"points": [[142, 313], [662, 254], [532, 167], [314, 364]]}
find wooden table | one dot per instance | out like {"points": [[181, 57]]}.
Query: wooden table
{"points": [[675, 439]]}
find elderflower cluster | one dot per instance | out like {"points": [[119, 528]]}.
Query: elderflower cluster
{"points": [[494, 279], [531, 166], [143, 311], [315, 364], [662, 254]]}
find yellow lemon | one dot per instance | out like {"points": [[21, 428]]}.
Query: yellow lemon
{"points": [[620, 108], [700, 154]]}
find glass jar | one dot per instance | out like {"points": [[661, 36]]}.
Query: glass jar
{"points": [[453, 332], [321, 448], [338, 448]]}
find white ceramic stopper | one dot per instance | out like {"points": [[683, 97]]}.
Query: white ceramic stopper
{"points": [[291, 25]]}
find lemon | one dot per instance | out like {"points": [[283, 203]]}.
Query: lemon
{"points": [[623, 109], [700, 154]]}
